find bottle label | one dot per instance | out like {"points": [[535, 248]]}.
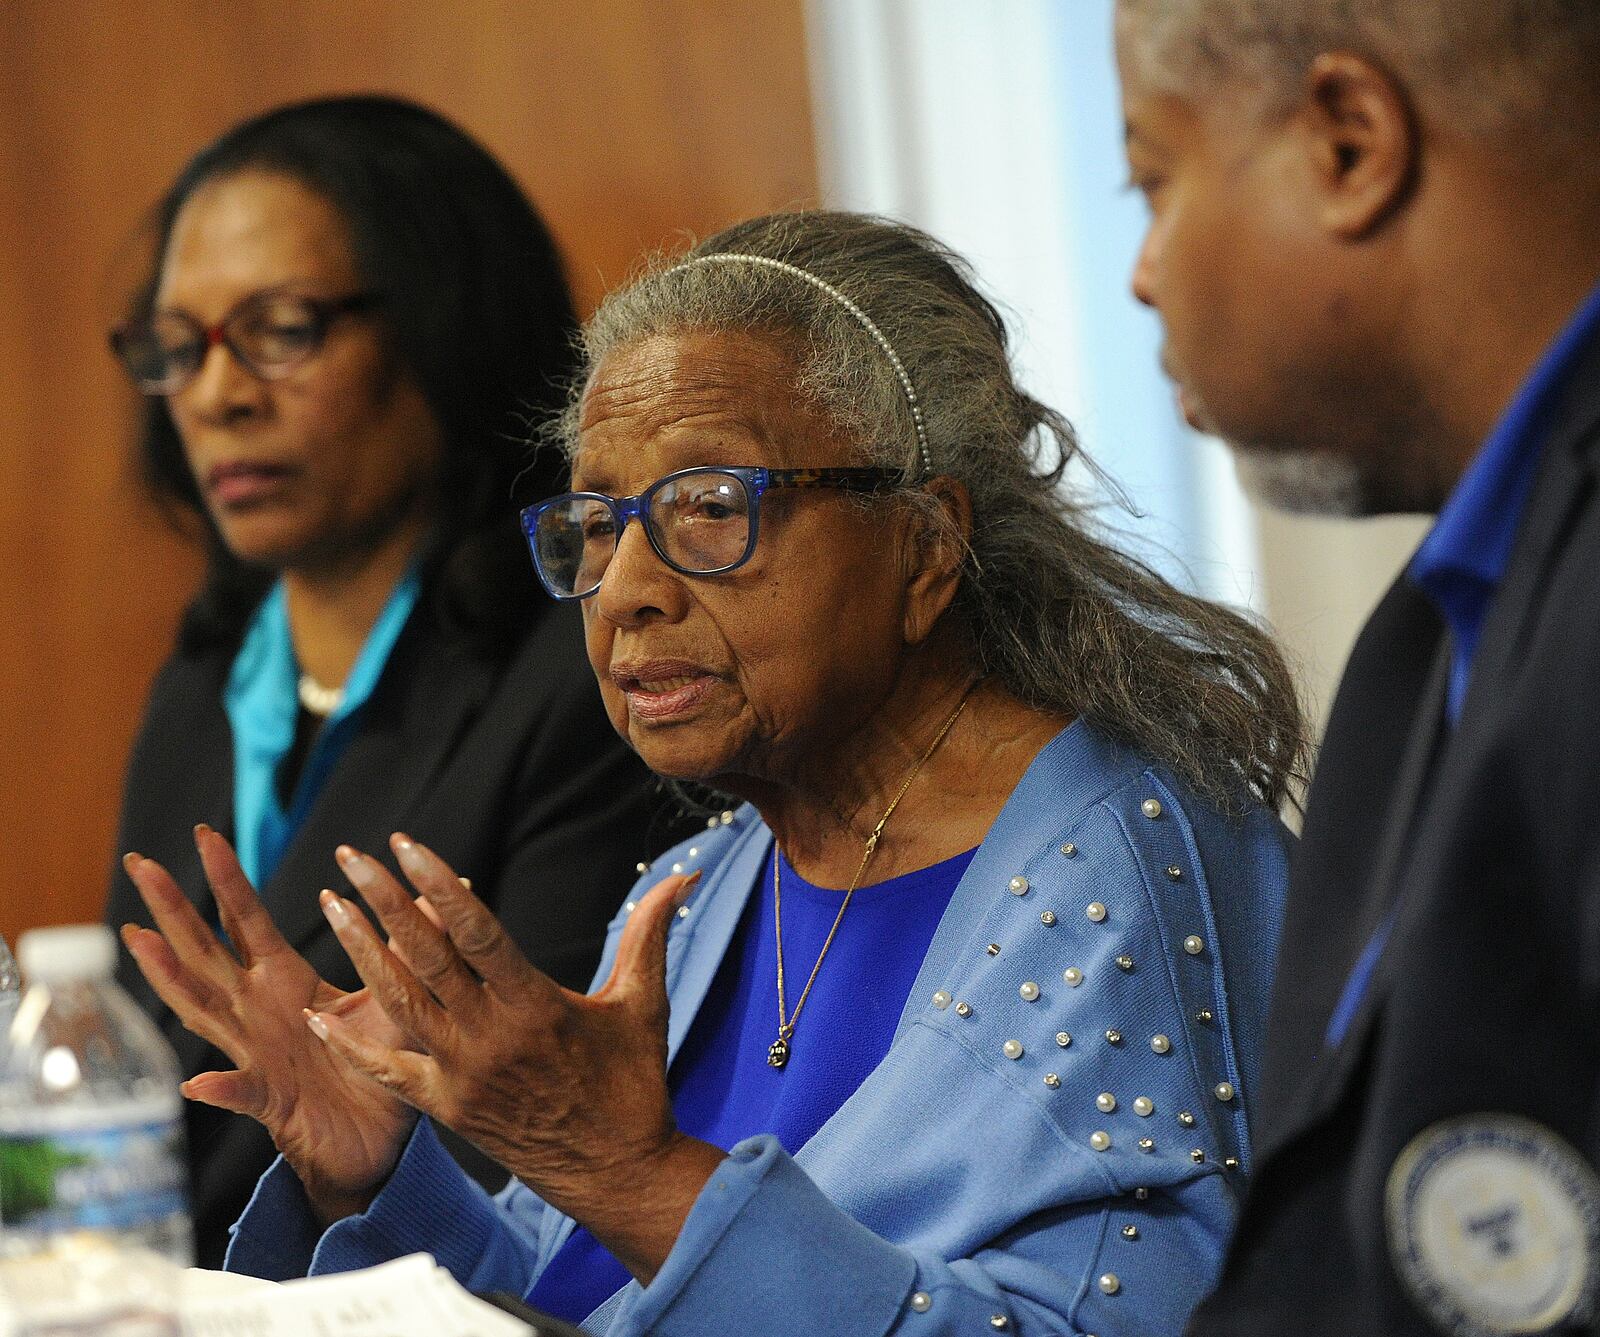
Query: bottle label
{"points": [[107, 1178]]}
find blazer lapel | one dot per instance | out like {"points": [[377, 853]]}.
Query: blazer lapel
{"points": [[1425, 753], [1565, 479], [201, 791], [193, 782], [428, 697], [1369, 777]]}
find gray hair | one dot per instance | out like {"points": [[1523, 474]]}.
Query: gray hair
{"points": [[1055, 612], [1498, 67]]}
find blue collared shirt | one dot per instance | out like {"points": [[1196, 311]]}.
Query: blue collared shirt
{"points": [[1462, 561]]}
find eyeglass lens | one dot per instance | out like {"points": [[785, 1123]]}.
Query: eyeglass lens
{"points": [[270, 334], [699, 522]]}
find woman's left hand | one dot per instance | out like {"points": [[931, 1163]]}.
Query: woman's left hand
{"points": [[568, 1092]]}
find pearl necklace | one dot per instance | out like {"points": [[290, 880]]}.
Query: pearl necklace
{"points": [[319, 700]]}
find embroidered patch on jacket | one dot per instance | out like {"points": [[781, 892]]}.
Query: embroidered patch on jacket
{"points": [[1494, 1226]]}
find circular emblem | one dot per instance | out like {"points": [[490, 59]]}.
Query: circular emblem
{"points": [[1494, 1226]]}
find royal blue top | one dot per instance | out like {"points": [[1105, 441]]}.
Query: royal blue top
{"points": [[1462, 561], [724, 1090], [262, 701]]}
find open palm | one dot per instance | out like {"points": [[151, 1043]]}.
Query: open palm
{"points": [[340, 1131]]}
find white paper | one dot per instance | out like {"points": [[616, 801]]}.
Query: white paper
{"points": [[410, 1297]]}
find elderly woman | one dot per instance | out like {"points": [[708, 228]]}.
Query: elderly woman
{"points": [[953, 1025]]}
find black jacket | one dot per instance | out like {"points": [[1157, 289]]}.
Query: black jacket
{"points": [[508, 768], [1483, 843]]}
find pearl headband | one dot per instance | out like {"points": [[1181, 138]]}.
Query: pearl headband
{"points": [[862, 318]]}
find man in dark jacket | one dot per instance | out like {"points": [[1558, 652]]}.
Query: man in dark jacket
{"points": [[1375, 246]]}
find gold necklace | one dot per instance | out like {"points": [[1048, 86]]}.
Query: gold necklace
{"points": [[778, 1050]]}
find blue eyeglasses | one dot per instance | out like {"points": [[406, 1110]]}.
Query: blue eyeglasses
{"points": [[700, 522]]}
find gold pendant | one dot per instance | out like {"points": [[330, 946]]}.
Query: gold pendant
{"points": [[778, 1053]]}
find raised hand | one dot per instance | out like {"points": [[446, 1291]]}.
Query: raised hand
{"points": [[341, 1132], [568, 1092]]}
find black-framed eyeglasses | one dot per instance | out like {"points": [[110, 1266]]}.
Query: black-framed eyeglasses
{"points": [[271, 333], [701, 522]]}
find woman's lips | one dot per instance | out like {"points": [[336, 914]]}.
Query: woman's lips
{"points": [[243, 483], [661, 691]]}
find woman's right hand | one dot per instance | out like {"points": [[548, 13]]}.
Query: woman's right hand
{"points": [[341, 1132]]}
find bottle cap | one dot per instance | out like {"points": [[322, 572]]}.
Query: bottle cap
{"points": [[61, 955]]}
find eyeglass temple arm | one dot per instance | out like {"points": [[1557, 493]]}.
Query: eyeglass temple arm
{"points": [[849, 480]]}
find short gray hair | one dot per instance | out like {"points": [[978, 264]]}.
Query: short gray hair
{"points": [[1062, 618], [1499, 66]]}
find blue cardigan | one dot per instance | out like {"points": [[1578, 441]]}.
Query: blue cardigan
{"points": [[1055, 1143]]}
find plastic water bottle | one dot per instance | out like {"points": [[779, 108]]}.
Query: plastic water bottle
{"points": [[10, 991], [94, 1216]]}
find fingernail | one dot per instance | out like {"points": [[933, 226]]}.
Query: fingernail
{"points": [[335, 910], [132, 860], [355, 866], [683, 893], [465, 882], [319, 1027], [400, 840], [410, 855], [201, 829]]}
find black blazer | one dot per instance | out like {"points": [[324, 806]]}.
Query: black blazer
{"points": [[508, 768], [1484, 845]]}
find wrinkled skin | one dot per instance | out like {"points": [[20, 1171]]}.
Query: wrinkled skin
{"points": [[567, 1091]]}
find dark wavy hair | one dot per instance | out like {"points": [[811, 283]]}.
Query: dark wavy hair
{"points": [[474, 305]]}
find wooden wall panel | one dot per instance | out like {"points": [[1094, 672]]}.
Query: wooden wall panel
{"points": [[630, 121]]}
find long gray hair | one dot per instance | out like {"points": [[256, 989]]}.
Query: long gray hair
{"points": [[1056, 613]]}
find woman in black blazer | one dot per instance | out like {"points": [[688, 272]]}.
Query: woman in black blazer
{"points": [[351, 310]]}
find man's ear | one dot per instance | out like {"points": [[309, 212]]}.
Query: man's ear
{"points": [[1365, 142], [937, 549]]}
